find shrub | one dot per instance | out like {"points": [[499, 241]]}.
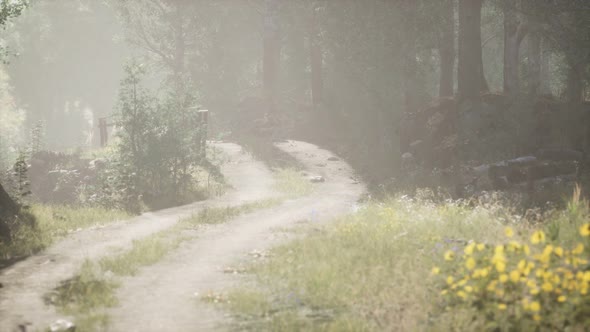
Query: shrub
{"points": [[519, 284]]}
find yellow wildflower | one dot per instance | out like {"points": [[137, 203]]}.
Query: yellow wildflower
{"points": [[558, 251], [492, 286], [484, 272], [480, 246], [561, 299], [470, 263], [462, 294], [514, 276], [526, 304], [502, 306], [500, 267], [548, 250], [535, 306], [547, 287], [450, 280], [503, 278], [538, 237], [578, 250], [537, 318], [435, 270], [509, 232], [527, 250], [469, 249], [449, 255], [585, 230]]}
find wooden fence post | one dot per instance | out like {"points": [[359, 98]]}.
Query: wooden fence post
{"points": [[102, 126], [203, 124]]}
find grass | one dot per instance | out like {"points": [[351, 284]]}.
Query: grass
{"points": [[54, 222], [291, 183], [87, 295], [144, 252], [84, 297], [372, 270]]}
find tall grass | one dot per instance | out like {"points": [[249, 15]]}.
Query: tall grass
{"points": [[372, 270], [291, 183], [53, 222], [87, 295]]}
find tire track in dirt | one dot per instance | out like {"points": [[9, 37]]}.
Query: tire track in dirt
{"points": [[161, 297], [25, 283]]}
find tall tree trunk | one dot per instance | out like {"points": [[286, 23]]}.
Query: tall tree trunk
{"points": [[534, 63], [8, 210], [179, 46], [544, 87], [447, 50], [470, 77], [574, 91], [410, 72], [514, 32], [272, 54], [316, 59]]}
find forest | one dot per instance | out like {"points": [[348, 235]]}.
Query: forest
{"points": [[294, 165]]}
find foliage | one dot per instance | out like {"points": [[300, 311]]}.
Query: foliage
{"points": [[53, 222], [93, 289], [291, 183], [21, 181], [158, 149], [82, 295], [523, 284], [339, 280]]}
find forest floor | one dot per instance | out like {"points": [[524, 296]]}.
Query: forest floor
{"points": [[166, 295]]}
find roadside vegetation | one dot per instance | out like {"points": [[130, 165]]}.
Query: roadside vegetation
{"points": [[86, 296], [422, 264], [291, 183], [52, 223]]}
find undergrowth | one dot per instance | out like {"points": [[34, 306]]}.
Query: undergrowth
{"points": [[373, 270], [291, 183], [86, 296], [52, 223]]}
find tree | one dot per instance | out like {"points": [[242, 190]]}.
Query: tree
{"points": [[316, 56], [271, 53], [515, 29], [446, 49], [9, 210], [470, 77], [164, 29]]}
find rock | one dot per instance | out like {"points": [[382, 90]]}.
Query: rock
{"points": [[24, 327], [333, 159], [1, 285], [317, 179], [62, 325]]}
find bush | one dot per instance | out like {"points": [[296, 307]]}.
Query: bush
{"points": [[158, 150], [523, 284]]}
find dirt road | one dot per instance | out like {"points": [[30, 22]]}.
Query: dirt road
{"points": [[162, 296]]}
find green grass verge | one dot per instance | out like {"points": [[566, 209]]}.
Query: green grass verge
{"points": [[372, 270], [52, 223], [86, 296], [291, 183]]}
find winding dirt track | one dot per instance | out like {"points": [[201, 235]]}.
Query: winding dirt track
{"points": [[161, 297]]}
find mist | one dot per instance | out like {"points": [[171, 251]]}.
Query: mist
{"points": [[345, 165]]}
